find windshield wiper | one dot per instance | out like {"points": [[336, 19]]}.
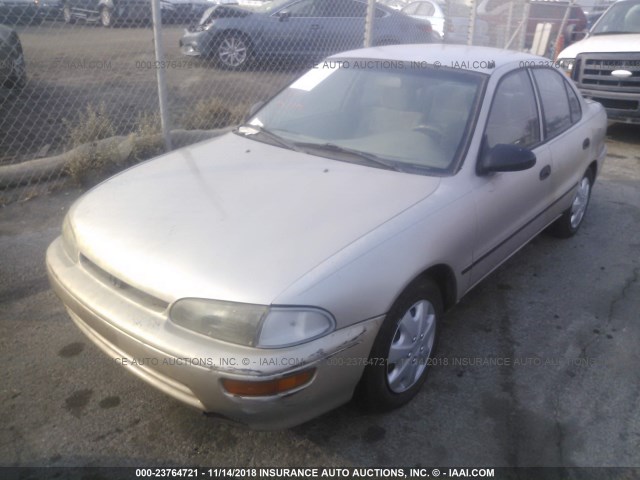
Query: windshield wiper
{"points": [[367, 157], [248, 130]]}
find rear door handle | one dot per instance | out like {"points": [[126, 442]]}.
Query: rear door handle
{"points": [[586, 143], [545, 172]]}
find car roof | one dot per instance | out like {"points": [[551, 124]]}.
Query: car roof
{"points": [[478, 59]]}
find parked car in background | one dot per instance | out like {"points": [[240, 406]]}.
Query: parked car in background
{"points": [[51, 9], [107, 12], [451, 22], [430, 11], [301, 29], [186, 11], [606, 64], [13, 73], [269, 275], [112, 12], [457, 27], [20, 12]]}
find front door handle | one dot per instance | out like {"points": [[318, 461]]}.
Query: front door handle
{"points": [[586, 143], [545, 172]]}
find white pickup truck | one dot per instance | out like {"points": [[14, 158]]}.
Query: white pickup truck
{"points": [[606, 64]]}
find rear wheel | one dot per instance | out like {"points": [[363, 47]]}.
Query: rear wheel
{"points": [[569, 223], [401, 354]]}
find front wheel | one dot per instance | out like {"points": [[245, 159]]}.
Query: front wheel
{"points": [[17, 78], [232, 52], [106, 17], [403, 350], [568, 224], [66, 13]]}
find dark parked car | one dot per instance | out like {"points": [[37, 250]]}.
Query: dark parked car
{"points": [[13, 73], [111, 12], [107, 12], [20, 12], [308, 29]]}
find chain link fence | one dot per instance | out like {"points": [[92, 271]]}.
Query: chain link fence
{"points": [[79, 79]]}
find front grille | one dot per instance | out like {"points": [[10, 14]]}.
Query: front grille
{"points": [[135, 295], [631, 105], [594, 71]]}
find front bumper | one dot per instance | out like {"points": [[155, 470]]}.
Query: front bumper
{"points": [[190, 367], [620, 106], [194, 44]]}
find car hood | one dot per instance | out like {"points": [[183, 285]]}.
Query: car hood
{"points": [[224, 11], [603, 44], [233, 218]]}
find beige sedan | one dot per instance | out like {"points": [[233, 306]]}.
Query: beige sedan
{"points": [[271, 274]]}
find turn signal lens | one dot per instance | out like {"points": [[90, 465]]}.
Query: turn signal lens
{"points": [[267, 388]]}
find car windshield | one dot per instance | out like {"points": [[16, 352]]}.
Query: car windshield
{"points": [[381, 113], [623, 17]]}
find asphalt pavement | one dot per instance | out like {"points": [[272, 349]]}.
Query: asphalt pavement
{"points": [[538, 365]]}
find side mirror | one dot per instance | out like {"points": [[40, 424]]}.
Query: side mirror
{"points": [[505, 158], [576, 36], [284, 15]]}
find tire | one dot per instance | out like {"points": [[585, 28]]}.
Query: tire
{"points": [[18, 77], [411, 327], [569, 223], [232, 52], [66, 14], [106, 17]]}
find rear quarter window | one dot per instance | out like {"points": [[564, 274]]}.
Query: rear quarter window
{"points": [[556, 110]]}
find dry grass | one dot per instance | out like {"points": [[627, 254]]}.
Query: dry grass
{"points": [[212, 113], [95, 160], [93, 124], [148, 141], [88, 167]]}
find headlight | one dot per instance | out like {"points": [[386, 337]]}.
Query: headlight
{"points": [[228, 321], [251, 325], [289, 326], [69, 239], [566, 64]]}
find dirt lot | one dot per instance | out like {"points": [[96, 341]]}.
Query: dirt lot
{"points": [[566, 311], [73, 66]]}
